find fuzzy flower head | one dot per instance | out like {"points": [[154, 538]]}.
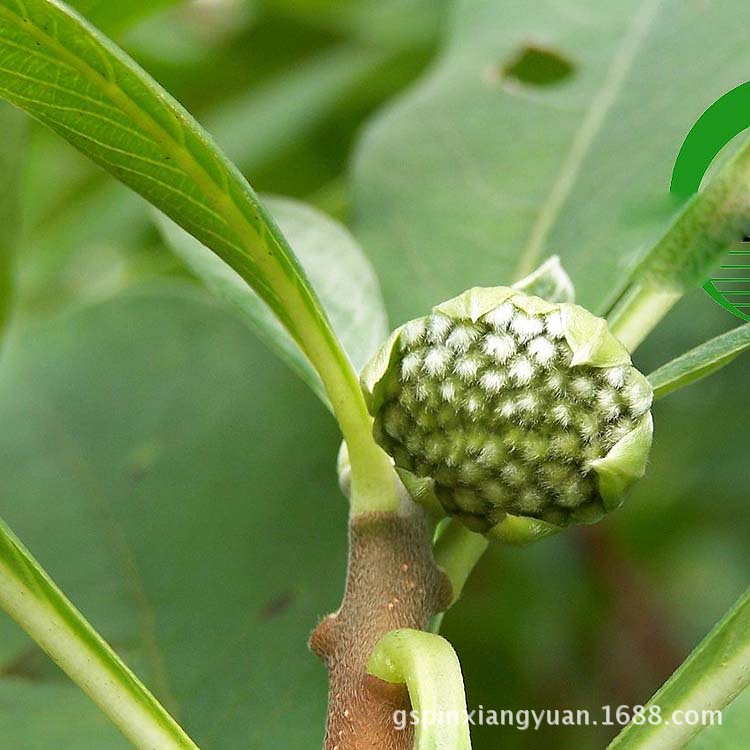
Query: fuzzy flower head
{"points": [[519, 416]]}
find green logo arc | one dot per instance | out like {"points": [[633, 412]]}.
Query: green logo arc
{"points": [[723, 120]]}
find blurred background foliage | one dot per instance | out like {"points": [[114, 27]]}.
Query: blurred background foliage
{"points": [[596, 616]]}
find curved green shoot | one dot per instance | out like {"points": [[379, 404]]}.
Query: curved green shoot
{"points": [[429, 667], [700, 362], [42, 610], [708, 680], [64, 73]]}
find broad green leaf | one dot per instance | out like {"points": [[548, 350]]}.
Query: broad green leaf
{"points": [[334, 263], [13, 129], [709, 679], [701, 361], [179, 484], [71, 78], [544, 128]]}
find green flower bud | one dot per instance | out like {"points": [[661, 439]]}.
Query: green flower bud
{"points": [[518, 416]]}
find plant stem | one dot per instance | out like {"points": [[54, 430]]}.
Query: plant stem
{"points": [[639, 312], [457, 551], [32, 599], [392, 583]]}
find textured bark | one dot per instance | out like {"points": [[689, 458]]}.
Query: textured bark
{"points": [[392, 582]]}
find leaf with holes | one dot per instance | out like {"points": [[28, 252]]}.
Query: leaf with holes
{"points": [[540, 132]]}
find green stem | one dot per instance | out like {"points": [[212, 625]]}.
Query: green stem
{"points": [[639, 312], [33, 600], [429, 667], [457, 551]]}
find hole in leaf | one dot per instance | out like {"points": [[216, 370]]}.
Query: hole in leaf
{"points": [[535, 65]]}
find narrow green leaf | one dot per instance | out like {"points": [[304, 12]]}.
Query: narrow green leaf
{"points": [[709, 679], [701, 361], [13, 128], [334, 262], [34, 601], [427, 664], [67, 75]]}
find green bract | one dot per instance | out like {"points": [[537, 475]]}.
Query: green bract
{"points": [[518, 415]]}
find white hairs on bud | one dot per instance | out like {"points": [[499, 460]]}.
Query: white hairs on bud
{"points": [[565, 445], [412, 333], [501, 316], [638, 397], [448, 390], [582, 387], [462, 337], [562, 414], [492, 453], [619, 430], [494, 491], [438, 327], [474, 404], [437, 360], [570, 495], [507, 408], [542, 350], [434, 447], [467, 367], [521, 371], [554, 325], [493, 381], [526, 327], [528, 403], [421, 391], [588, 426], [531, 500], [556, 381], [608, 403], [500, 347], [513, 473], [470, 471], [410, 366], [615, 376]]}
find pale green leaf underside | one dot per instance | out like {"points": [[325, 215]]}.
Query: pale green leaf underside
{"points": [[701, 361], [68, 76], [712, 676], [477, 176], [427, 664], [342, 275], [163, 495]]}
